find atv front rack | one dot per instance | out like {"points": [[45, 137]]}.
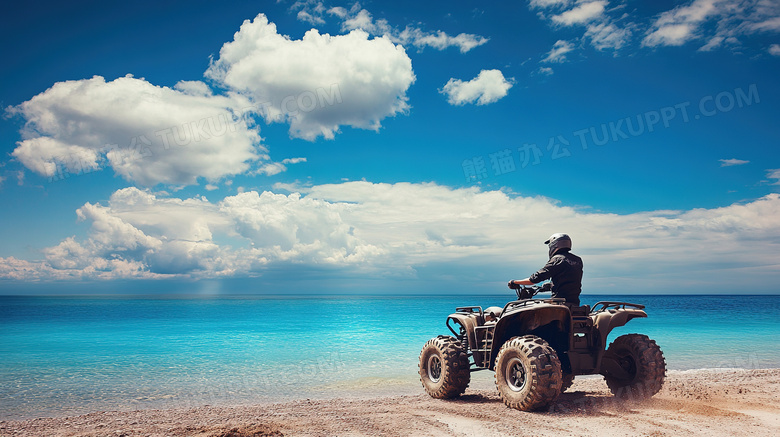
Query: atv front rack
{"points": [[469, 310], [483, 336]]}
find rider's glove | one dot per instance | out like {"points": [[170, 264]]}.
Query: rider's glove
{"points": [[513, 286]]}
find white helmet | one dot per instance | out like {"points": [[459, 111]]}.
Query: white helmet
{"points": [[557, 242]]}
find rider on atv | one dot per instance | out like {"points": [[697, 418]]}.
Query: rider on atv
{"points": [[536, 347], [563, 267]]}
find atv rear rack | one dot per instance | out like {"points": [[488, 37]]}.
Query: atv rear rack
{"points": [[605, 306]]}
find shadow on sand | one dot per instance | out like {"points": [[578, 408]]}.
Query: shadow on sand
{"points": [[569, 403]]}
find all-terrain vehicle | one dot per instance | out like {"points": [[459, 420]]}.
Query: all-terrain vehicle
{"points": [[537, 346]]}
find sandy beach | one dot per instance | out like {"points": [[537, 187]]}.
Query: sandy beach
{"points": [[692, 403]]}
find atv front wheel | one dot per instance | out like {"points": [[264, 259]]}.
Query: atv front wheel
{"points": [[444, 367], [528, 373], [634, 367]]}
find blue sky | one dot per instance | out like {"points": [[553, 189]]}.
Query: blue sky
{"points": [[388, 146]]}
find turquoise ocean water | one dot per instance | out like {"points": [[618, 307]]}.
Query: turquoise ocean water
{"points": [[73, 355]]}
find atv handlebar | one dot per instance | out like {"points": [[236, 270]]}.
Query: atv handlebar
{"points": [[524, 292], [527, 292]]}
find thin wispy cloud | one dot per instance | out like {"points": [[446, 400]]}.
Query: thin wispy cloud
{"points": [[355, 17], [309, 11], [274, 168], [410, 35], [732, 162], [678, 26], [603, 30], [546, 71], [774, 174], [714, 24], [558, 52]]}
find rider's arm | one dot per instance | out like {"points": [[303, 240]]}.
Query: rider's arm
{"points": [[553, 266], [543, 274]]}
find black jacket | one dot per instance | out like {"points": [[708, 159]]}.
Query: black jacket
{"points": [[565, 270]]}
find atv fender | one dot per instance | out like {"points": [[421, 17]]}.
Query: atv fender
{"points": [[548, 321], [605, 321], [468, 322]]}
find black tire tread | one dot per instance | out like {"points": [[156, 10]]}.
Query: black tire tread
{"points": [[651, 367], [545, 373], [455, 368]]}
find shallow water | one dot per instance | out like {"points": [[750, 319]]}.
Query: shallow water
{"points": [[71, 355]]}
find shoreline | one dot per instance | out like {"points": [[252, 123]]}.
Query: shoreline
{"points": [[717, 402]]}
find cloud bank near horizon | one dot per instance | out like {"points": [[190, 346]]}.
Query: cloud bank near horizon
{"points": [[423, 232]]}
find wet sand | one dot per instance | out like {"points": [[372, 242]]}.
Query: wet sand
{"points": [[691, 403]]}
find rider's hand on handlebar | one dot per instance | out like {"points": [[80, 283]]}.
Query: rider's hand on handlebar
{"points": [[524, 293], [512, 285]]}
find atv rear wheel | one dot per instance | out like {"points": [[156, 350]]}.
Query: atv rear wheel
{"points": [[528, 373], [444, 367], [634, 367]]}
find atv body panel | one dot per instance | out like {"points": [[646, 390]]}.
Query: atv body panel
{"points": [[577, 334]]}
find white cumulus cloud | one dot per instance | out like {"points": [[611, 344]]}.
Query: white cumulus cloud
{"points": [[318, 83], [488, 87], [146, 133]]}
